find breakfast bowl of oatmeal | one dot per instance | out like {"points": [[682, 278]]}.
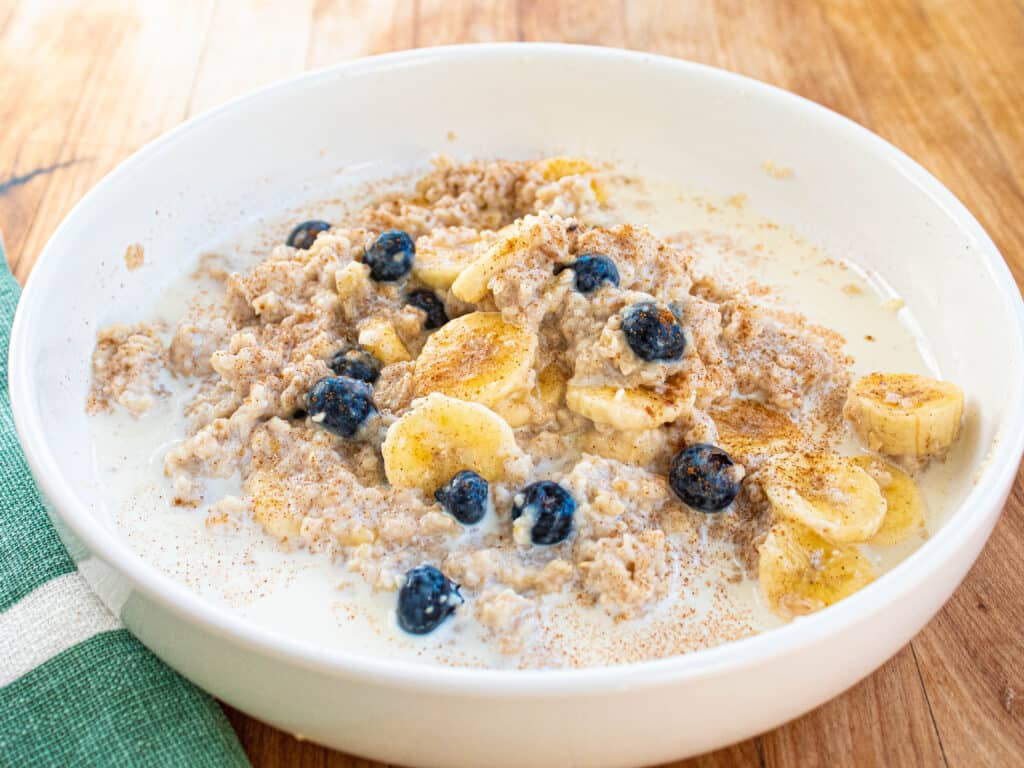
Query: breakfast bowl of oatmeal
{"points": [[548, 419]]}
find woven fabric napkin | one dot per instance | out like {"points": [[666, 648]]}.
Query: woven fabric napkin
{"points": [[76, 689]]}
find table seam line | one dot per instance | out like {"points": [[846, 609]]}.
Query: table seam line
{"points": [[928, 702]]}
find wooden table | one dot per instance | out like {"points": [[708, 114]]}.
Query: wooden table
{"points": [[85, 82]]}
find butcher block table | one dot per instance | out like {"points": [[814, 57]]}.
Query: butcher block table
{"points": [[83, 83]]}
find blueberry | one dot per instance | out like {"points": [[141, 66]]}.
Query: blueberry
{"points": [[426, 599], [390, 257], [593, 270], [704, 477], [550, 508], [355, 363], [653, 332], [429, 303], [340, 404], [464, 497], [304, 235]]}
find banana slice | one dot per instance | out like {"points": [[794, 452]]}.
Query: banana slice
{"points": [[904, 516], [628, 409], [800, 572], [829, 494], [471, 284], [441, 256], [272, 506], [379, 337], [750, 428], [551, 384], [477, 357], [354, 286], [555, 168], [517, 413], [903, 414], [639, 447], [441, 436]]}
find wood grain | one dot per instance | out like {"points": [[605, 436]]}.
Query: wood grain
{"points": [[85, 82]]}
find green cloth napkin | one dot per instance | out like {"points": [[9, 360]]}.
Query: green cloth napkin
{"points": [[76, 689]]}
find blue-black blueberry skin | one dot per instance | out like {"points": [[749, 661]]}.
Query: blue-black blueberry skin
{"points": [[592, 270], [390, 257], [340, 405], [355, 363], [426, 599], [704, 477], [653, 332], [304, 235], [550, 508], [464, 497], [429, 302]]}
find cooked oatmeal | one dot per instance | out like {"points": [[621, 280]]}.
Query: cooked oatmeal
{"points": [[518, 369]]}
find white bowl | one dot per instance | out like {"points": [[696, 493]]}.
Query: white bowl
{"points": [[852, 192]]}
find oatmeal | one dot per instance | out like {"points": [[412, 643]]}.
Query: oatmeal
{"points": [[134, 256], [524, 427], [128, 368]]}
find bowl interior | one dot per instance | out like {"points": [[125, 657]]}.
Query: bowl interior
{"points": [[853, 194]]}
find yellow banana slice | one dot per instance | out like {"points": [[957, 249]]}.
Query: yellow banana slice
{"points": [[471, 284], [625, 408], [800, 572], [477, 357], [441, 256], [354, 287], [440, 436], [273, 506], [750, 428], [551, 384], [517, 412], [829, 494], [555, 168], [904, 516], [903, 414], [639, 447], [379, 337]]}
